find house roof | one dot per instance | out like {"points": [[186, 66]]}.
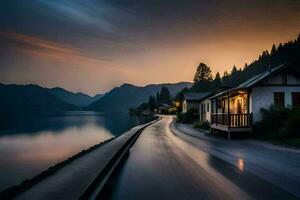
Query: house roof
{"points": [[196, 96], [254, 80], [164, 105]]}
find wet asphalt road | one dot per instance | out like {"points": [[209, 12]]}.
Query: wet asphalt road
{"points": [[161, 165]]}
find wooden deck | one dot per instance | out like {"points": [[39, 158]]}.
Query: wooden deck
{"points": [[232, 122]]}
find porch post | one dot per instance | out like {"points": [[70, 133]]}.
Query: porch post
{"points": [[248, 108], [228, 107], [223, 109], [216, 100]]}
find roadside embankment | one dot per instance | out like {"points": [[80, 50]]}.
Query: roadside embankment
{"points": [[77, 175]]}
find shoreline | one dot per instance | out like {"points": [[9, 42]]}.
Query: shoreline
{"points": [[27, 183]]}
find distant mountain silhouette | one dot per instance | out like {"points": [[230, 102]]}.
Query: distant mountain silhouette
{"points": [[29, 98], [79, 99], [127, 95]]}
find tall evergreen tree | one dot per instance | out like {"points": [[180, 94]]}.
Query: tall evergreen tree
{"points": [[217, 81], [164, 95], [273, 50], [225, 74], [157, 99], [203, 73], [234, 70], [152, 103]]}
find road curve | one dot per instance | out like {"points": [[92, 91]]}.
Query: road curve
{"points": [[163, 166]]}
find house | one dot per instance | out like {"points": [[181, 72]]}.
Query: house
{"points": [[205, 109], [192, 100], [237, 109], [163, 108]]}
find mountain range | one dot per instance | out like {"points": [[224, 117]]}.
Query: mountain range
{"points": [[78, 99], [30, 98], [16, 99], [120, 99]]}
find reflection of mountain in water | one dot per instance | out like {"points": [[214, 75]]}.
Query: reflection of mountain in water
{"points": [[58, 121]]}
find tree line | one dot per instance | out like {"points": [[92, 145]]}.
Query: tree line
{"points": [[204, 82], [154, 102]]}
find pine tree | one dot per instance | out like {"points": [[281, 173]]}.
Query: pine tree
{"points": [[157, 99], [273, 50], [164, 95], [217, 81], [203, 73], [225, 74], [152, 103], [234, 70]]}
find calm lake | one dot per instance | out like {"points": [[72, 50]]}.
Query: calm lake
{"points": [[31, 144]]}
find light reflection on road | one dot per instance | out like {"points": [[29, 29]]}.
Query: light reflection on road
{"points": [[241, 164]]}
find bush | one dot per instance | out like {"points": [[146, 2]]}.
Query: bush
{"points": [[202, 125], [279, 123], [189, 117]]}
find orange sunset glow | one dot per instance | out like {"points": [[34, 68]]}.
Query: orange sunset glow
{"points": [[133, 49]]}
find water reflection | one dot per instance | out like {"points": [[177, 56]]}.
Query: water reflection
{"points": [[240, 164], [30, 144]]}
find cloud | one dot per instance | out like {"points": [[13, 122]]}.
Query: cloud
{"points": [[34, 41], [52, 51], [86, 13]]}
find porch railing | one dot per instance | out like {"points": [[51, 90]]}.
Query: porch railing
{"points": [[232, 120]]}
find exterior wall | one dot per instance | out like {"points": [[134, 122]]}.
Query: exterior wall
{"points": [[184, 106], [187, 105], [207, 113], [291, 79], [193, 104], [263, 97], [250, 102]]}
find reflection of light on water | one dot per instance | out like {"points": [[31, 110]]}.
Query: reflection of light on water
{"points": [[241, 164]]}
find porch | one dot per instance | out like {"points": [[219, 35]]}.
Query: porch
{"points": [[231, 111], [232, 122]]}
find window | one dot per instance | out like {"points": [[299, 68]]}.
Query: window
{"points": [[279, 99], [296, 99], [207, 107]]}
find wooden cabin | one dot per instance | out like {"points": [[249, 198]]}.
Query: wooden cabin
{"points": [[192, 100], [237, 109]]}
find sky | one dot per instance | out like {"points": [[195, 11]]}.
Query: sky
{"points": [[92, 46]]}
